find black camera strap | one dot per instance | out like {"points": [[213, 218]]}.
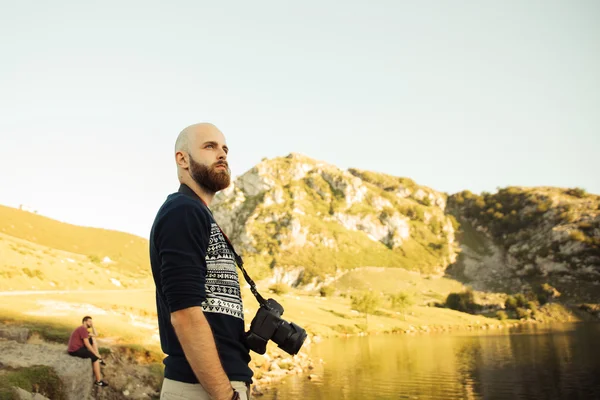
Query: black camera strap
{"points": [[240, 264], [238, 259]]}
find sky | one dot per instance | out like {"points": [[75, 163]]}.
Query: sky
{"points": [[454, 94]]}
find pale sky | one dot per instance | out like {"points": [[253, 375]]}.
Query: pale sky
{"points": [[453, 94]]}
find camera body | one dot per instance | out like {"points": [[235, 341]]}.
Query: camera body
{"points": [[268, 325]]}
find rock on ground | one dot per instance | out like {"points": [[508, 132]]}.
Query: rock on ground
{"points": [[25, 395], [75, 373], [15, 333]]}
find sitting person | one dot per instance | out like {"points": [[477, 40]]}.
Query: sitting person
{"points": [[83, 346]]}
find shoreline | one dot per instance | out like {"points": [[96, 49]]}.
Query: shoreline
{"points": [[270, 377], [275, 365]]}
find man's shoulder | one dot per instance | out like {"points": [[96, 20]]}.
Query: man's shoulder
{"points": [[179, 210], [82, 330], [181, 203]]}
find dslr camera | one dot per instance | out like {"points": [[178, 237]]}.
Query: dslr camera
{"points": [[268, 325]]}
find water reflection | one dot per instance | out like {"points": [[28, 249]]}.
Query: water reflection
{"points": [[558, 362]]}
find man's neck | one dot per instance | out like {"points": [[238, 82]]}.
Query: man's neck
{"points": [[205, 195]]}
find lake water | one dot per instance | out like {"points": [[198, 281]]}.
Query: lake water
{"points": [[530, 362]]}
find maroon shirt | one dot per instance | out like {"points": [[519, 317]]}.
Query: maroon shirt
{"points": [[76, 339]]}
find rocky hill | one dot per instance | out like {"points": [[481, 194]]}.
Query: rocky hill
{"points": [[521, 236], [307, 219], [303, 220]]}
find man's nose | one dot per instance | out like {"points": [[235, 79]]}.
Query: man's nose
{"points": [[222, 155]]}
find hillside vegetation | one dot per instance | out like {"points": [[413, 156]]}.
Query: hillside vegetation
{"points": [[128, 252], [295, 212], [530, 235], [37, 253]]}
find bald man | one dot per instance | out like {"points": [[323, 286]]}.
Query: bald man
{"points": [[200, 313]]}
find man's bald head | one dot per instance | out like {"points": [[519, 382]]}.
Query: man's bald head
{"points": [[201, 157], [188, 136]]}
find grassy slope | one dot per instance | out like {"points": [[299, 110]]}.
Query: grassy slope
{"points": [[130, 317], [38, 253], [29, 266], [129, 252]]}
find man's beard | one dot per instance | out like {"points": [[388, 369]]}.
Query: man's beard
{"points": [[210, 178]]}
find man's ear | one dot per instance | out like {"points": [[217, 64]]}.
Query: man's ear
{"points": [[182, 159]]}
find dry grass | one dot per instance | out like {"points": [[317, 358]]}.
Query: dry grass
{"points": [[129, 252], [29, 266]]}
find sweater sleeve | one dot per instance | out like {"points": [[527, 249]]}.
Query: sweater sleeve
{"points": [[182, 240]]}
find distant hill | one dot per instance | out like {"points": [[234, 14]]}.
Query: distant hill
{"points": [[521, 236], [39, 252], [128, 252], [305, 221]]}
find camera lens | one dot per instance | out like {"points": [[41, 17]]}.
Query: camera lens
{"points": [[289, 337]]}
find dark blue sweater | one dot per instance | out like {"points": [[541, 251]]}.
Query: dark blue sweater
{"points": [[192, 265]]}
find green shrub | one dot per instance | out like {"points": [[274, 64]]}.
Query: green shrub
{"points": [[510, 303], [464, 302], [344, 329], [327, 291], [36, 379], [543, 207], [454, 222], [104, 351], [522, 313], [28, 272], [532, 305], [578, 236], [576, 192], [521, 300], [36, 273], [279, 288], [401, 301], [366, 302], [502, 315], [545, 293]]}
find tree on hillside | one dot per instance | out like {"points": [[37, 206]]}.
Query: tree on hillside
{"points": [[401, 301], [463, 302], [366, 302]]}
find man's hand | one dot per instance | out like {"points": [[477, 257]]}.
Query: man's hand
{"points": [[87, 344], [198, 343]]}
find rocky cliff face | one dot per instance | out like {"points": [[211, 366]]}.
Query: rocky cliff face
{"points": [[523, 235], [300, 221], [311, 217]]}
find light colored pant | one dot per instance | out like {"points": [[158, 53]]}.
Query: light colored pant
{"points": [[175, 390]]}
